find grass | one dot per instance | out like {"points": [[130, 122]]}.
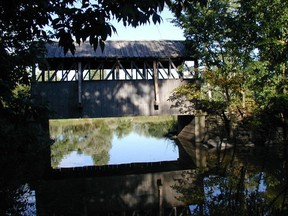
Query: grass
{"points": [[135, 119]]}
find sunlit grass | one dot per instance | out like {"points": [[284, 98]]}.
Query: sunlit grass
{"points": [[134, 119]]}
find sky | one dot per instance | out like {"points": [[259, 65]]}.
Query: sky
{"points": [[127, 150], [163, 31]]}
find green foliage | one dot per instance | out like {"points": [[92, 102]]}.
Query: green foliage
{"points": [[242, 52], [23, 151], [237, 184], [124, 127], [212, 31], [26, 25], [71, 20], [93, 139], [189, 99], [279, 104]]}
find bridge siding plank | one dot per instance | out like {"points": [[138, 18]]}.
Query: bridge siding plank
{"points": [[106, 98]]}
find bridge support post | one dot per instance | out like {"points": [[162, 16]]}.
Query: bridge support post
{"points": [[33, 72], [169, 68], [79, 76], [156, 87], [117, 72], [160, 196]]}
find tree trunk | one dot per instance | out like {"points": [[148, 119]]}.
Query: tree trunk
{"points": [[227, 125]]}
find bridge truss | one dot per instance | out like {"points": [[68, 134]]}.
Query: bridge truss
{"points": [[114, 70], [153, 61]]}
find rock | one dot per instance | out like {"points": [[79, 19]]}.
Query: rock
{"points": [[225, 145], [249, 144], [212, 142], [216, 143], [269, 143]]}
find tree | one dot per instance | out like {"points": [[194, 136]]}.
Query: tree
{"points": [[23, 23], [242, 48], [71, 20], [235, 184], [212, 32], [24, 28]]}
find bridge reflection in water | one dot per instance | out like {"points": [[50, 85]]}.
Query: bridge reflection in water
{"points": [[127, 189]]}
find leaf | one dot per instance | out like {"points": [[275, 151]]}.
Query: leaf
{"points": [[78, 40], [85, 3], [94, 42], [104, 34], [161, 5], [66, 41], [156, 18], [72, 49], [102, 45], [113, 29], [108, 30]]}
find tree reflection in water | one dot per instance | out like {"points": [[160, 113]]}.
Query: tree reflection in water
{"points": [[94, 136], [239, 182], [91, 138]]}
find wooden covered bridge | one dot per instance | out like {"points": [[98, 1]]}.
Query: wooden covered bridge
{"points": [[127, 78]]}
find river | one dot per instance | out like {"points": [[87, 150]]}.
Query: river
{"points": [[134, 166]]}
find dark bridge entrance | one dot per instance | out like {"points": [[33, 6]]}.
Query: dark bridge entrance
{"points": [[128, 78]]}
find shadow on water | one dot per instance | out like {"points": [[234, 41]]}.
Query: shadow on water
{"points": [[104, 189], [235, 181], [239, 181], [24, 157]]}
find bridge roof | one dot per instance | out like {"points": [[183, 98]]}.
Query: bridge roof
{"points": [[124, 49]]}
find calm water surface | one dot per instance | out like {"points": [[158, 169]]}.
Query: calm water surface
{"points": [[238, 181], [131, 148], [121, 142]]}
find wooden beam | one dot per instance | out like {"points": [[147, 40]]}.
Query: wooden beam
{"points": [[42, 75], [138, 71], [100, 69], [156, 87], [79, 76], [117, 72], [88, 71], [111, 72], [66, 73], [160, 196], [33, 72], [125, 70], [148, 70], [169, 69], [145, 74], [54, 77]]}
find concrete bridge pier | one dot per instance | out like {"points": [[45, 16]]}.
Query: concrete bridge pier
{"points": [[191, 127], [191, 136]]}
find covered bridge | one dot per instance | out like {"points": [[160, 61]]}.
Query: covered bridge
{"points": [[127, 78]]}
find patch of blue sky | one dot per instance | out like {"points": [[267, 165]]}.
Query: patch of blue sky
{"points": [[74, 159], [166, 30], [137, 148]]}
